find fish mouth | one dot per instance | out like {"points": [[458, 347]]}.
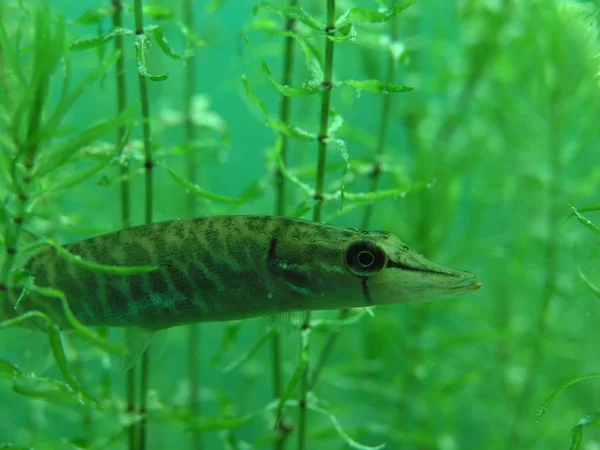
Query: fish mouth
{"points": [[469, 284]]}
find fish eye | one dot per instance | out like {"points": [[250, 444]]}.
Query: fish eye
{"points": [[364, 258]]}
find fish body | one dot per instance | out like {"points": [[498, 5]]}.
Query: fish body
{"points": [[223, 268]]}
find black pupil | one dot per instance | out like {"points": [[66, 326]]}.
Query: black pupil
{"points": [[365, 258]]}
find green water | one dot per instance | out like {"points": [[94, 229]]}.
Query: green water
{"points": [[480, 163]]}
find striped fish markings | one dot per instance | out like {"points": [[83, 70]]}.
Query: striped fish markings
{"points": [[223, 268]]}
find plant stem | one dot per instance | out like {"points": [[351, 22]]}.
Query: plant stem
{"points": [[280, 201], [121, 104], [327, 84], [383, 120], [148, 164], [117, 18], [192, 175], [555, 213], [27, 152], [375, 177]]}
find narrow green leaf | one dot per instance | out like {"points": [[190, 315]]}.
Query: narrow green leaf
{"points": [[78, 261], [589, 420], [214, 5], [376, 86], [67, 100], [250, 353], [591, 286], [162, 77], [227, 422], [78, 179], [361, 199], [343, 34], [298, 373], [589, 208], [561, 389], [197, 190], [292, 12], [158, 12], [89, 173], [230, 334], [586, 222], [362, 15], [340, 431], [101, 39], [310, 88], [58, 353], [340, 146], [37, 387], [93, 16], [80, 330], [160, 39], [277, 126], [334, 323], [141, 47], [57, 158]]}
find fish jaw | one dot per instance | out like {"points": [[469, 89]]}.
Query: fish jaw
{"points": [[413, 278]]}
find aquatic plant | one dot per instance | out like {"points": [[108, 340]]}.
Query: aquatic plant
{"points": [[473, 167]]}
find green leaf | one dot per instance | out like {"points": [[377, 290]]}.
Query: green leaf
{"points": [[298, 373], [227, 422], [57, 158], [278, 126], [158, 12], [590, 207], [561, 389], [141, 48], [586, 222], [79, 329], [101, 39], [229, 337], [37, 387], [292, 12], [591, 286], [78, 261], [58, 352], [343, 34], [361, 199], [376, 86], [68, 99], [197, 190], [93, 16], [310, 88], [338, 428], [160, 39], [214, 5], [250, 353], [340, 146], [589, 420], [162, 77], [87, 174], [362, 15]]}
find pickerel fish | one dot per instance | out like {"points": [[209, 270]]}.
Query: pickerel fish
{"points": [[230, 267]]}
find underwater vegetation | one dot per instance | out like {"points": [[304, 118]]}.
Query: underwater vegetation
{"points": [[468, 129]]}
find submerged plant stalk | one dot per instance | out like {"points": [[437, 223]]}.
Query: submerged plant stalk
{"points": [[375, 178], [555, 212], [327, 84], [284, 115], [192, 176], [148, 164], [117, 18]]}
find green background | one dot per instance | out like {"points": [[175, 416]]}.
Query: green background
{"points": [[501, 126]]}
